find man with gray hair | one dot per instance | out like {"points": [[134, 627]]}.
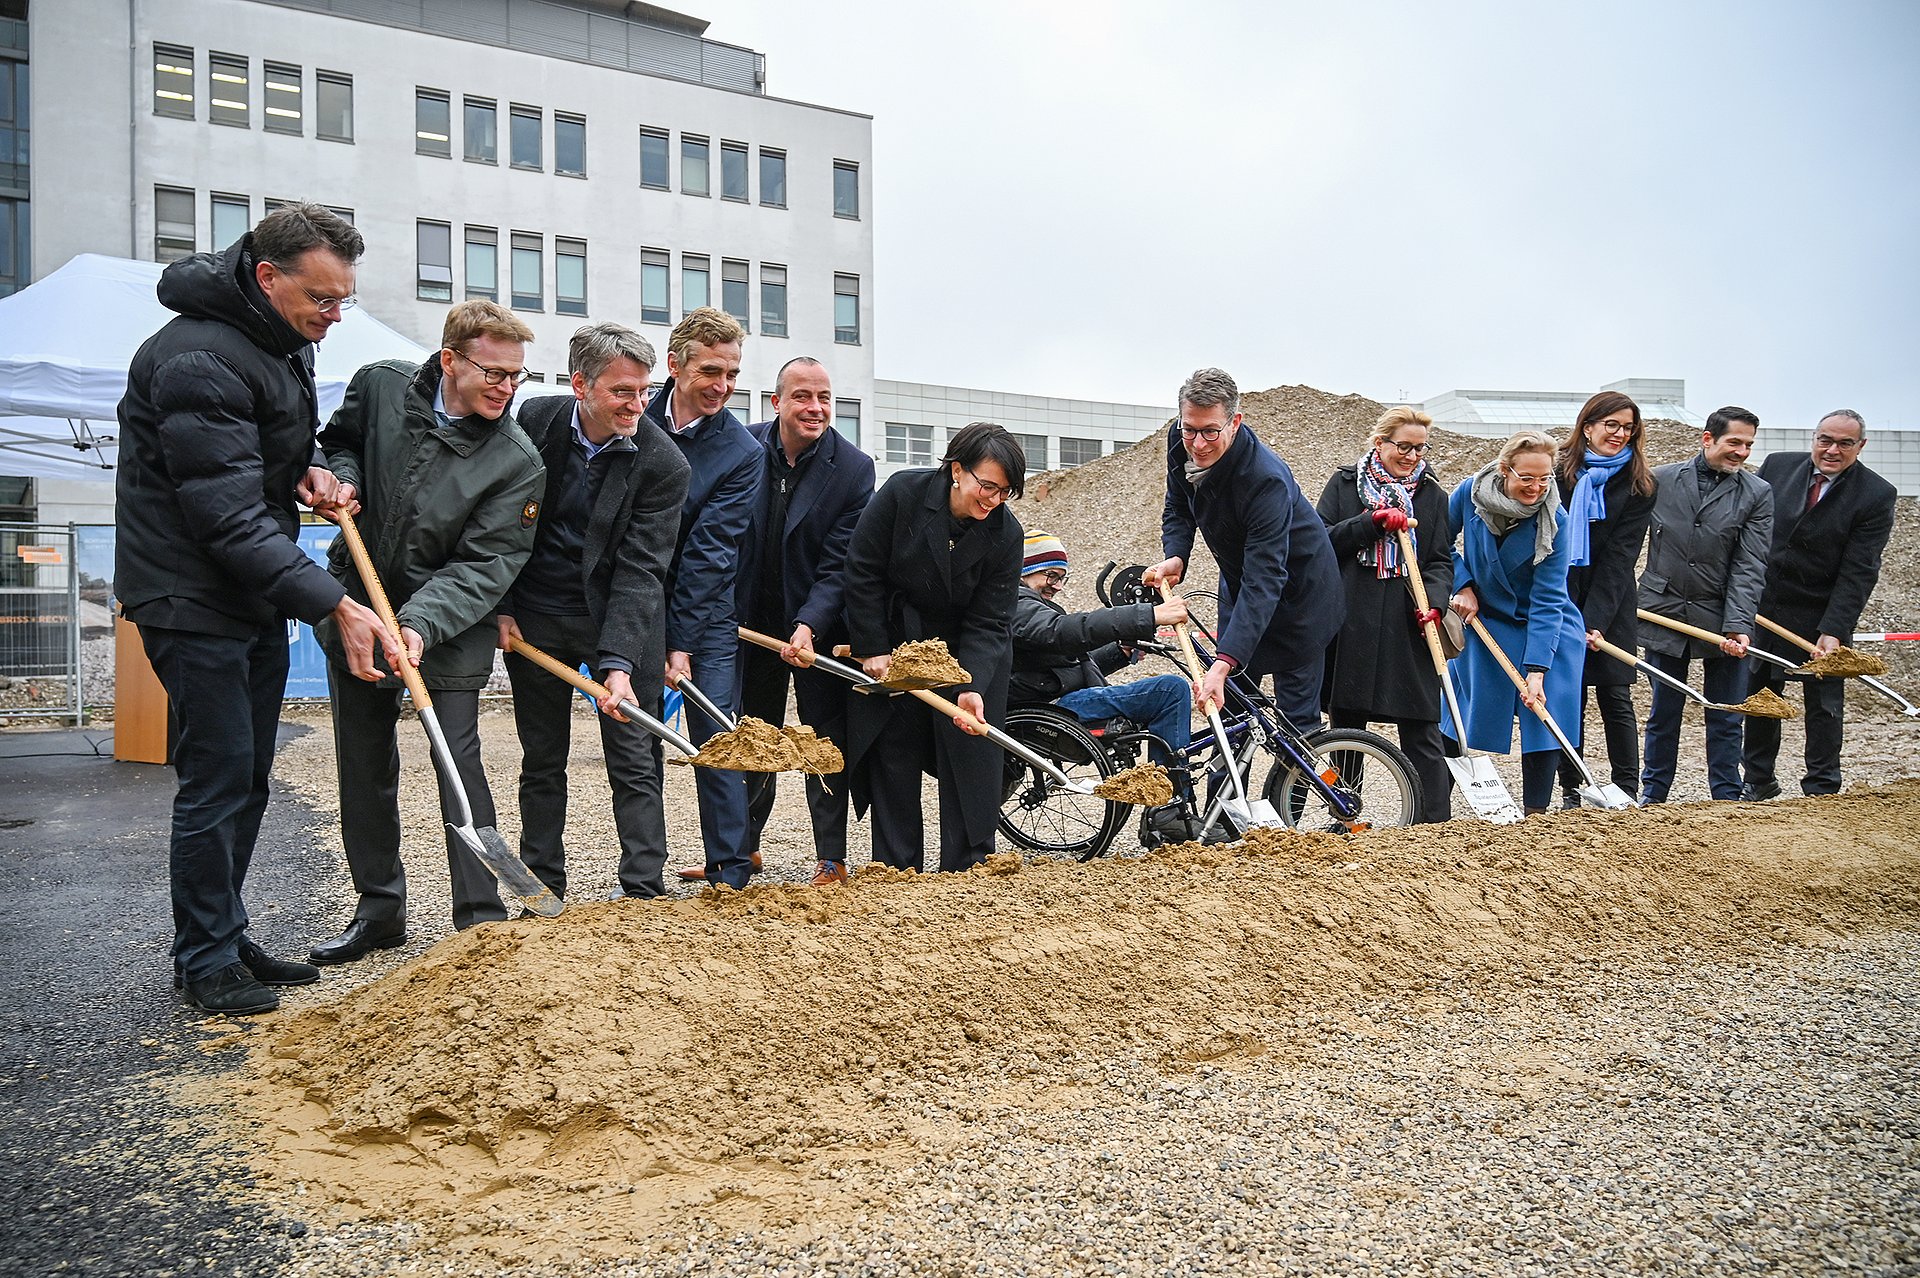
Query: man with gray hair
{"points": [[1832, 517], [593, 593]]}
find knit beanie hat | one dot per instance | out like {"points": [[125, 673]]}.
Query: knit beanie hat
{"points": [[1044, 551]]}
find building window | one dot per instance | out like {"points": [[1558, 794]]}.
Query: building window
{"points": [[14, 256], [483, 263], [570, 144], [693, 165], [696, 282], [173, 81], [740, 403], [16, 121], [525, 138], [281, 108], [333, 106], [1035, 447], [846, 189], [773, 301], [910, 444], [733, 171], [435, 272], [569, 276], [345, 215], [846, 309], [773, 178], [227, 89], [230, 219], [653, 159], [524, 266], [432, 123], [172, 223], [1078, 452], [480, 133], [655, 304], [846, 418], [733, 290]]}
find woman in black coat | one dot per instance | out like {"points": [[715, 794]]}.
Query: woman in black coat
{"points": [[1379, 669], [936, 555], [1607, 488]]}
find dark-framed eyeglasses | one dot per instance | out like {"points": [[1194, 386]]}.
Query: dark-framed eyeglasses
{"points": [[988, 489], [1208, 433], [1055, 576], [494, 376], [1405, 449], [1844, 445], [346, 303]]}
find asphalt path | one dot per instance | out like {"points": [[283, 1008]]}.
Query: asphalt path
{"points": [[100, 1171]]}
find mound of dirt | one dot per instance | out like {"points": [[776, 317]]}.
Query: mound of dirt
{"points": [[1146, 785], [928, 662], [560, 1088], [1843, 662]]}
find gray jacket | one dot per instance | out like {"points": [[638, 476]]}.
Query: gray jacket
{"points": [[1706, 556]]}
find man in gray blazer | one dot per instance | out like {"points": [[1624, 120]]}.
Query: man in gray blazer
{"points": [[593, 593], [1706, 564]]}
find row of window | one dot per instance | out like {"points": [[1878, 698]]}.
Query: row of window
{"points": [[480, 133], [526, 279], [284, 104], [176, 220], [913, 446]]}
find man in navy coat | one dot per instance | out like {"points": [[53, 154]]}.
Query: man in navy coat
{"points": [[814, 483], [1281, 601], [703, 363]]}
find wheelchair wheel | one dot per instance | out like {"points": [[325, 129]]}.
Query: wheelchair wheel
{"points": [[1359, 763], [1035, 812]]}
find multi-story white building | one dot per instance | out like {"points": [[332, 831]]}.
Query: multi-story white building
{"points": [[577, 160], [915, 420]]}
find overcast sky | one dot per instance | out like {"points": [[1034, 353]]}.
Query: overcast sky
{"points": [[1093, 199]]}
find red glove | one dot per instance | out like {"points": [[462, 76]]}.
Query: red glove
{"points": [[1391, 519], [1424, 619]]}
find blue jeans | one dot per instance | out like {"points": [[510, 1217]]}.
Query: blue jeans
{"points": [[721, 792], [1163, 704], [1724, 679]]}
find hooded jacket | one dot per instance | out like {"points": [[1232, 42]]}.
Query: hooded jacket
{"points": [[216, 430]]}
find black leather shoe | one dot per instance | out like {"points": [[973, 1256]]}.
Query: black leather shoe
{"points": [[269, 970], [361, 938], [233, 991], [1760, 793]]}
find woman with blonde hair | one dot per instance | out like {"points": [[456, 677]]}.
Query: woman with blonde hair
{"points": [[1511, 572], [1378, 666]]}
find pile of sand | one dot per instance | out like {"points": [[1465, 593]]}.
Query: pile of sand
{"points": [[753, 746], [926, 663], [563, 1087], [817, 754], [1844, 662], [1146, 785], [1765, 703]]}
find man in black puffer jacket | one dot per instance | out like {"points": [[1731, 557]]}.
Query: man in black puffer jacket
{"points": [[216, 444]]}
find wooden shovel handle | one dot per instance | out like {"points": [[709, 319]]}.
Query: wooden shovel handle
{"points": [[1419, 586], [1513, 672], [779, 645], [1786, 634], [1617, 653], [1184, 633], [1681, 627], [559, 669], [933, 699], [409, 675]]}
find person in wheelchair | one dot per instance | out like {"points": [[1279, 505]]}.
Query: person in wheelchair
{"points": [[1063, 658]]}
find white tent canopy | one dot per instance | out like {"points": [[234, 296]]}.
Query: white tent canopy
{"points": [[66, 342]]}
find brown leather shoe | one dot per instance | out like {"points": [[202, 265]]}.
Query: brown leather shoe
{"points": [[698, 873], [829, 874]]}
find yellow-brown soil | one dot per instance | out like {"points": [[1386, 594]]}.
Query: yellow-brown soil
{"points": [[926, 661], [1147, 785], [817, 754], [1844, 661], [754, 746], [1768, 704]]}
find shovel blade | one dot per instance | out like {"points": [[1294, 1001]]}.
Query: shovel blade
{"points": [[1255, 812], [1483, 790], [512, 872], [1606, 795]]}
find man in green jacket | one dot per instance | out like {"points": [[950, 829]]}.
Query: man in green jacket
{"points": [[450, 491]]}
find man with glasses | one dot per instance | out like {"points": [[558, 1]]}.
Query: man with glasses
{"points": [[1065, 658], [1281, 602], [216, 447], [593, 593], [450, 489], [1706, 563], [1832, 517]]}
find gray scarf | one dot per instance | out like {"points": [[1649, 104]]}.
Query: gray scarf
{"points": [[1194, 473], [1503, 514]]}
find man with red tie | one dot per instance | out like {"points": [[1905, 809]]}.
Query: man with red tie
{"points": [[1831, 519]]}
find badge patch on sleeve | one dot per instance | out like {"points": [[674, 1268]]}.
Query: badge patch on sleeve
{"points": [[529, 513]]}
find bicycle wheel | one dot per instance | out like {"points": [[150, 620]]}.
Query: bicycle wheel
{"points": [[1358, 763], [1036, 812]]}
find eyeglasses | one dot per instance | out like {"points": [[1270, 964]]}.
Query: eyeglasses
{"points": [[1406, 450], [1208, 433], [1844, 445], [1055, 576], [1531, 481], [991, 491], [346, 303], [1611, 428], [494, 376]]}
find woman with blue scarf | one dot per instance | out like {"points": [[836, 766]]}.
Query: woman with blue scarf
{"points": [[1608, 490], [1378, 668]]}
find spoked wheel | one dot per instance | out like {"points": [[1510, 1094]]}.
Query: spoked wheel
{"points": [[1035, 811], [1357, 763]]}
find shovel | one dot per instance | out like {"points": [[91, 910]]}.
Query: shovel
{"points": [[1906, 707], [1652, 671], [1707, 636], [1237, 809], [1595, 793], [705, 705], [1485, 793], [886, 686], [598, 691], [485, 843]]}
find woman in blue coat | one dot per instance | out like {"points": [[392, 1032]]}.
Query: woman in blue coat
{"points": [[1511, 572]]}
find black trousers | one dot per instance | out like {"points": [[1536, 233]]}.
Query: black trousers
{"points": [[1425, 748], [1622, 731], [1826, 708], [225, 694], [366, 749], [822, 701], [543, 719], [908, 748]]}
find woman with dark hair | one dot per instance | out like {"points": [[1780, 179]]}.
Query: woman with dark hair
{"points": [[1378, 667], [1608, 489], [936, 555]]}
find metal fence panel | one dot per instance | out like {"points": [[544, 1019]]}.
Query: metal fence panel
{"points": [[39, 623]]}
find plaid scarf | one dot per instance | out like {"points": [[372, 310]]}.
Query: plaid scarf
{"points": [[1379, 488]]}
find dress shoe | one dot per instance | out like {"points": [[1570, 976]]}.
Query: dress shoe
{"points": [[269, 970], [698, 873], [233, 991], [361, 938], [1760, 793], [829, 873]]}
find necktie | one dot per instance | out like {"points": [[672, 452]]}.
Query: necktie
{"points": [[1814, 490]]}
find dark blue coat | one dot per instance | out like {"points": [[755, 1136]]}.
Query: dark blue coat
{"points": [[1281, 601], [722, 488], [821, 513]]}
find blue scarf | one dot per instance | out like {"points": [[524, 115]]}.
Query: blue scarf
{"points": [[1590, 502]]}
